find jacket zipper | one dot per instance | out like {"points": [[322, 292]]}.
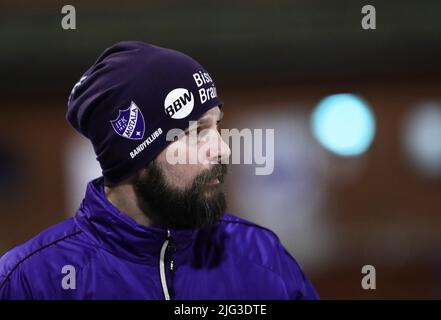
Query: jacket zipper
{"points": [[166, 262]]}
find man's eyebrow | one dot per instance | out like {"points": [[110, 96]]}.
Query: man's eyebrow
{"points": [[205, 120]]}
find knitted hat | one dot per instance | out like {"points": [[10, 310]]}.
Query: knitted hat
{"points": [[129, 99]]}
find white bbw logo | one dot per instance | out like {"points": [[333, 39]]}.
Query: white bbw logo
{"points": [[179, 103]]}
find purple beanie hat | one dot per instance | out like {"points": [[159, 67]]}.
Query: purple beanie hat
{"points": [[131, 97]]}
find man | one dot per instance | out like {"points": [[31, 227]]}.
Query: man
{"points": [[152, 227]]}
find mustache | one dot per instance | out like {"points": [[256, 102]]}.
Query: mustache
{"points": [[218, 171]]}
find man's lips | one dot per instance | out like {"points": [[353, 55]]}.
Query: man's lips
{"points": [[213, 181]]}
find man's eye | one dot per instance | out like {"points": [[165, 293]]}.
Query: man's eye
{"points": [[198, 130]]}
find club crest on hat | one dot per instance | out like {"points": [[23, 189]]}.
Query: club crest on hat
{"points": [[129, 123]]}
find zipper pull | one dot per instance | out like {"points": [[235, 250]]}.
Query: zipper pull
{"points": [[172, 249], [171, 265]]}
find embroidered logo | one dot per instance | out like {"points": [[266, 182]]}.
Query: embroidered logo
{"points": [[129, 123]]}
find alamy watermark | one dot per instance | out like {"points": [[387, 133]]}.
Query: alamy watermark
{"points": [[369, 280], [69, 20], [369, 20], [69, 281], [248, 146]]}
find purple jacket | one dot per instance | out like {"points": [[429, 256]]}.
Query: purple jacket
{"points": [[102, 253]]}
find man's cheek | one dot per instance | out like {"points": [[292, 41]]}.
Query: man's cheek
{"points": [[180, 176]]}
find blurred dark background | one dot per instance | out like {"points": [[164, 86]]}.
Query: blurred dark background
{"points": [[273, 62]]}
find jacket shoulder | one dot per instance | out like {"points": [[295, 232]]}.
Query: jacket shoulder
{"points": [[40, 252], [250, 240], [261, 246], [249, 232]]}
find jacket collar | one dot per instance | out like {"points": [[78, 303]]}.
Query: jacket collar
{"points": [[118, 233]]}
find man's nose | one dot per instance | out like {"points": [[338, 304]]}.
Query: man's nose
{"points": [[219, 151]]}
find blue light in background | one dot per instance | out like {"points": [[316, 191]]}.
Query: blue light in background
{"points": [[344, 124]]}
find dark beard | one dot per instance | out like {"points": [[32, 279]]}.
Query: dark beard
{"points": [[182, 209]]}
